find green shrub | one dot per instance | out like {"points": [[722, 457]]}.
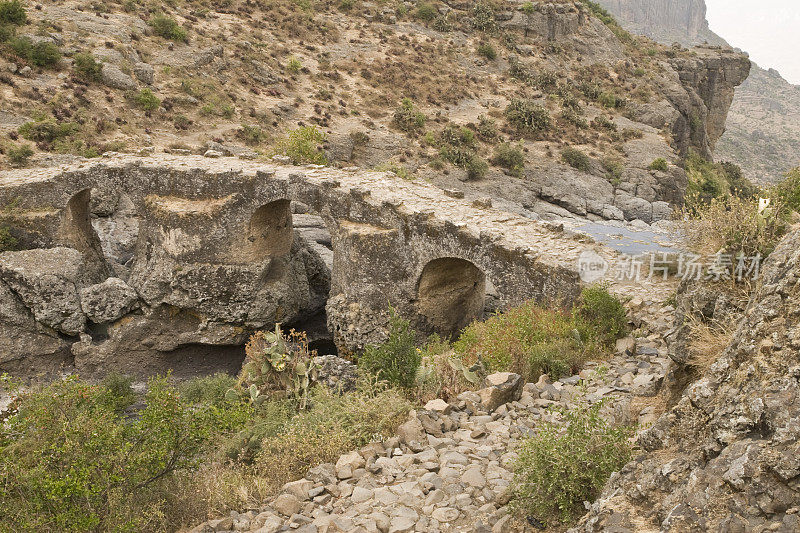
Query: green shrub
{"points": [[48, 130], [252, 134], [208, 390], [568, 463], [527, 116], [529, 340], [7, 32], [610, 100], [13, 12], [788, 190], [483, 17], [573, 117], [603, 313], [146, 100], [426, 11], [576, 159], [407, 117], [546, 80], [87, 67], [303, 145], [487, 129], [7, 242], [45, 54], [614, 169], [709, 181], [511, 157], [659, 164], [529, 8], [458, 146], [603, 122], [168, 28], [476, 168], [487, 50], [396, 168], [71, 462], [397, 359], [19, 154], [120, 391], [294, 65]]}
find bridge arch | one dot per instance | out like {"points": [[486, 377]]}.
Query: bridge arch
{"points": [[450, 294], [77, 232], [270, 232]]}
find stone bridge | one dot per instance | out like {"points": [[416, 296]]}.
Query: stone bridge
{"points": [[140, 263]]}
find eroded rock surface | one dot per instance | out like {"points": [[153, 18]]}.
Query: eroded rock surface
{"points": [[725, 458]]}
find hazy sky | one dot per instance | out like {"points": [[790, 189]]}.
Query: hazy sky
{"points": [[769, 30]]}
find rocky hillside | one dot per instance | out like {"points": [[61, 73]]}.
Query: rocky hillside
{"points": [[762, 133], [763, 128], [546, 105], [724, 458]]}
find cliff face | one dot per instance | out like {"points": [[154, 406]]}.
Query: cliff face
{"points": [[762, 131], [667, 21], [763, 128]]}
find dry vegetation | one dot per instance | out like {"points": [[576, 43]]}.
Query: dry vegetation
{"points": [[341, 67]]}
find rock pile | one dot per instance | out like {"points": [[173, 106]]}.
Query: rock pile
{"points": [[451, 464]]}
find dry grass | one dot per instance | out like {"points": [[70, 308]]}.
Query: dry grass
{"points": [[733, 225], [707, 342]]}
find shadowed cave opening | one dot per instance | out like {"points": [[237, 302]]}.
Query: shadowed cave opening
{"points": [[451, 293]]}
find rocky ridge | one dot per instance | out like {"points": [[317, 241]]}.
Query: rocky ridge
{"points": [[724, 458], [762, 131]]}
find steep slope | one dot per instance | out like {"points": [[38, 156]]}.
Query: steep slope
{"points": [[762, 134], [763, 128], [521, 86], [725, 458]]}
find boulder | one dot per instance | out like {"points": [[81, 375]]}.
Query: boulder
{"points": [[47, 281], [116, 79], [501, 388], [108, 301]]}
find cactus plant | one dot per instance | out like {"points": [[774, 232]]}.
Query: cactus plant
{"points": [[276, 364]]}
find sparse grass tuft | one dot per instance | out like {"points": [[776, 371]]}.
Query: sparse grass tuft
{"points": [[487, 50], [7, 241]]}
